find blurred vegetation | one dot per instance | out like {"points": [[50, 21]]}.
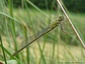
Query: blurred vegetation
{"points": [[19, 23], [72, 5], [75, 5]]}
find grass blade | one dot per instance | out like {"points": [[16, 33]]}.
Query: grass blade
{"points": [[11, 56], [3, 50], [27, 49], [12, 26]]}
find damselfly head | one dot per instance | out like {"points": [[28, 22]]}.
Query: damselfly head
{"points": [[61, 18]]}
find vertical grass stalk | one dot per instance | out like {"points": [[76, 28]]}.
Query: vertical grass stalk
{"points": [[8, 34], [44, 43], [12, 26], [42, 56], [26, 41], [53, 53], [41, 52], [11, 55], [3, 50]]}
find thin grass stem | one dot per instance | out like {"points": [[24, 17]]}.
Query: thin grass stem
{"points": [[12, 26], [71, 24], [3, 50]]}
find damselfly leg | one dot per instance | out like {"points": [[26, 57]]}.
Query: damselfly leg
{"points": [[64, 28]]}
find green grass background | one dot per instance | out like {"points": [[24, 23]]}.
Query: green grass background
{"points": [[55, 47]]}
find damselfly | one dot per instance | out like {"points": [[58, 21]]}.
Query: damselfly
{"points": [[43, 32]]}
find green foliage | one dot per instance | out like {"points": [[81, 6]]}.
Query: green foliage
{"points": [[44, 3], [40, 3], [75, 5], [72, 5], [51, 48], [17, 3]]}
